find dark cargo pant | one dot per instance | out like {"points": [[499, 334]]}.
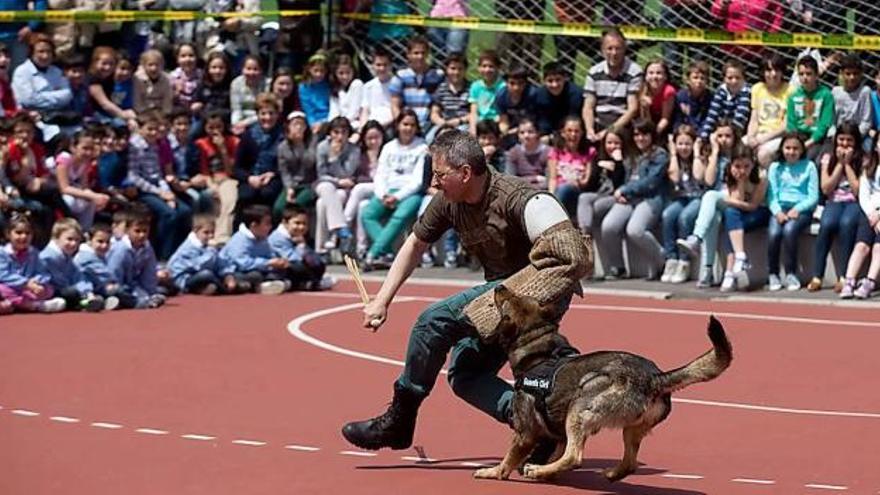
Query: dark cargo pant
{"points": [[474, 365]]}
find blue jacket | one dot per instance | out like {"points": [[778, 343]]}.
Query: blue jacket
{"points": [[63, 270], [94, 268], [15, 271], [246, 253], [648, 181], [284, 246], [192, 257], [135, 269]]}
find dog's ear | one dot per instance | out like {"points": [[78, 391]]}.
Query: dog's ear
{"points": [[502, 294]]}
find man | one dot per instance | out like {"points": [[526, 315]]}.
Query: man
{"points": [[611, 92], [518, 234]]}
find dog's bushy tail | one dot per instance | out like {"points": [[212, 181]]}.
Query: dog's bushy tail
{"points": [[704, 368]]}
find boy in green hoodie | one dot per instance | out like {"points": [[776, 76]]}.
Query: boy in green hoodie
{"points": [[810, 108]]}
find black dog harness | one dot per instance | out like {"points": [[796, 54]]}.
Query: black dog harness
{"points": [[538, 381]]}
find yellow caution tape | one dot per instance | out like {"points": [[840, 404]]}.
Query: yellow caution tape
{"points": [[136, 15]]}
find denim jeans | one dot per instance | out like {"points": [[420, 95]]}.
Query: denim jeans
{"points": [[785, 236], [449, 40], [708, 222], [567, 194], [839, 220], [736, 219], [678, 221], [172, 224]]}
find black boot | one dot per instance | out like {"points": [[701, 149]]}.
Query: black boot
{"points": [[392, 429]]}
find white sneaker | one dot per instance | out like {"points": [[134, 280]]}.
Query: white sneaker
{"points": [[773, 283], [792, 283], [742, 280], [111, 303], [271, 287], [728, 284], [427, 260], [327, 282], [682, 272], [54, 305], [668, 269], [692, 246]]}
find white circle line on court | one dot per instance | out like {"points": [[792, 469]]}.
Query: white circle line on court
{"points": [[649, 309], [295, 328]]}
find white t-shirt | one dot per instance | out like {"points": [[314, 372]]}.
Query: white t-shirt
{"points": [[348, 104], [377, 100]]}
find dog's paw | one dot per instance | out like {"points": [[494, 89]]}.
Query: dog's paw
{"points": [[536, 472], [617, 473], [492, 473]]}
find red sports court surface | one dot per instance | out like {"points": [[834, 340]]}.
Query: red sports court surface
{"points": [[246, 395]]}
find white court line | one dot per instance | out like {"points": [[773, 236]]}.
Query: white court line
{"points": [[358, 453], [683, 476], [107, 426], [302, 448], [193, 436], [417, 459], [249, 443], [25, 413], [818, 486], [649, 309], [473, 464], [64, 419], [296, 330], [151, 431], [753, 481]]}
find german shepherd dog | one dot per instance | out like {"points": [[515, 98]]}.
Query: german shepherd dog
{"points": [[605, 389]]}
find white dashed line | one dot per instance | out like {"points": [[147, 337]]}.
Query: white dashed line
{"points": [[250, 443], [753, 481], [473, 464], [193, 436], [358, 453], [151, 431], [64, 419], [818, 486], [107, 426], [25, 413], [683, 476], [417, 459], [302, 448]]}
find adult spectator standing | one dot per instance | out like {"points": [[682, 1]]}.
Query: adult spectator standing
{"points": [[14, 34], [611, 91]]}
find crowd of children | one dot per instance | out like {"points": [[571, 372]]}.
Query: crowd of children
{"points": [[212, 172]]}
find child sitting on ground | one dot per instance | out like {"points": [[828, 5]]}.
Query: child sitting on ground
{"points": [[92, 262], [249, 252], [67, 279], [290, 241], [24, 281], [133, 262], [196, 266]]}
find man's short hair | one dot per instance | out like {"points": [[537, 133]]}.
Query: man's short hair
{"points": [[613, 32], [458, 148]]}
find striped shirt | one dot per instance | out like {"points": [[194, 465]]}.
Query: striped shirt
{"points": [[415, 90], [725, 105], [144, 168], [452, 105], [611, 92]]}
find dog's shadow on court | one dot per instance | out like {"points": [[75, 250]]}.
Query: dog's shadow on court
{"points": [[587, 477]]}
